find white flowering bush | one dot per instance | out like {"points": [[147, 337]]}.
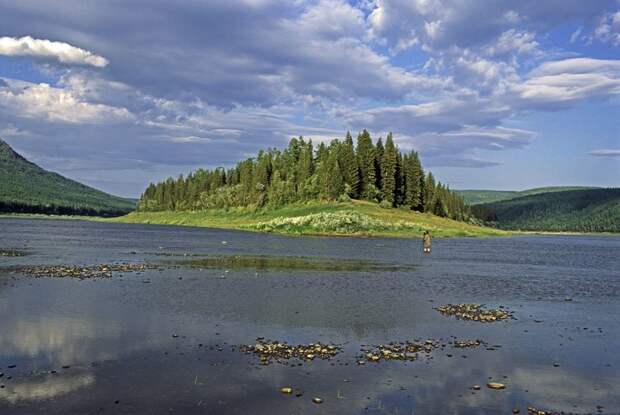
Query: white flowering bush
{"points": [[340, 222]]}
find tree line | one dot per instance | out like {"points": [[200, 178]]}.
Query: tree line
{"points": [[338, 171], [8, 206]]}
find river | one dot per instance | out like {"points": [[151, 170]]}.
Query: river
{"points": [[166, 339]]}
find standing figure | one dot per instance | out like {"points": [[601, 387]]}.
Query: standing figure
{"points": [[426, 242]]}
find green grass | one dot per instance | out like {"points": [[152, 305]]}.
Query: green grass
{"points": [[476, 197], [356, 218]]}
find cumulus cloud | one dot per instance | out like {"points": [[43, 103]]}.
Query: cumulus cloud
{"points": [[46, 49], [223, 79], [56, 105]]}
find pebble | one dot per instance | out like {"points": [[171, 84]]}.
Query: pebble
{"points": [[287, 390], [496, 385], [317, 400]]}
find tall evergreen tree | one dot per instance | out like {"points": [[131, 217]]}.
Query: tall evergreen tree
{"points": [[306, 162], [388, 171], [366, 163], [379, 153], [333, 182], [413, 181], [429, 192], [349, 167]]}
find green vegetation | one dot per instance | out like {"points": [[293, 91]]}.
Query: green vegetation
{"points": [[27, 188], [476, 197], [357, 218], [590, 210], [334, 172]]}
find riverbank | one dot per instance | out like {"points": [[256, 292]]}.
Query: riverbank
{"points": [[355, 218]]}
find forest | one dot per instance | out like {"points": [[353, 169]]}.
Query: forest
{"points": [[338, 171], [585, 210]]}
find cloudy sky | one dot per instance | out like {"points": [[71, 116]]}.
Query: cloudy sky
{"points": [[492, 93]]}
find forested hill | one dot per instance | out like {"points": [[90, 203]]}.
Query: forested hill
{"points": [[476, 197], [27, 188], [589, 210], [340, 170]]}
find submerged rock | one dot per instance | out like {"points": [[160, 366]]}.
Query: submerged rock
{"points": [[82, 272], [474, 312]]}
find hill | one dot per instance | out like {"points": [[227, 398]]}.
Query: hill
{"points": [[27, 188], [353, 218], [476, 197], [586, 210]]}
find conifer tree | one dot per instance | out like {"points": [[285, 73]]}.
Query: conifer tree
{"points": [[349, 167], [366, 162], [379, 153], [413, 181], [306, 162], [388, 171], [333, 182], [429, 192]]}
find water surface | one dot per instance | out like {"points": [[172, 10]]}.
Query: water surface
{"points": [[162, 340]]}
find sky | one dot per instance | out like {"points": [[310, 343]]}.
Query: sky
{"points": [[493, 94]]}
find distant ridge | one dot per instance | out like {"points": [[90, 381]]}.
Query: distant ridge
{"points": [[475, 197], [581, 210], [27, 188]]}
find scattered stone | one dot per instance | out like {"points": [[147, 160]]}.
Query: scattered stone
{"points": [[287, 390], [461, 344], [317, 400], [496, 385], [82, 272], [269, 351], [474, 312], [476, 387], [405, 351], [11, 253]]}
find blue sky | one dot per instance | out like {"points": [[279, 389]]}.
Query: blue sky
{"points": [[493, 94]]}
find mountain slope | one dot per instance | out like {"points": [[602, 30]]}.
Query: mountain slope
{"points": [[589, 210], [27, 188], [476, 197]]}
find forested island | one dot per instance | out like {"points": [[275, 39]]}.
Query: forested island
{"points": [[338, 171]]}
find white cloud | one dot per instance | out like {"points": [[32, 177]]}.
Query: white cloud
{"points": [[605, 153], [43, 48], [570, 80], [608, 28], [42, 101]]}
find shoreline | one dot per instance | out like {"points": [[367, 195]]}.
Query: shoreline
{"points": [[247, 221]]}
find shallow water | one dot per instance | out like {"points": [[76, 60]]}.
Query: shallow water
{"points": [[161, 341]]}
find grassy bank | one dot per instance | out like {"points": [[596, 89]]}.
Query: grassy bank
{"points": [[354, 218]]}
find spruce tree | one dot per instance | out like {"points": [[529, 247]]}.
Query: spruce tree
{"points": [[333, 182], [429, 192], [349, 167], [379, 153], [388, 171], [366, 163]]}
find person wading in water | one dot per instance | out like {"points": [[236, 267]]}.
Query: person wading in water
{"points": [[426, 242]]}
